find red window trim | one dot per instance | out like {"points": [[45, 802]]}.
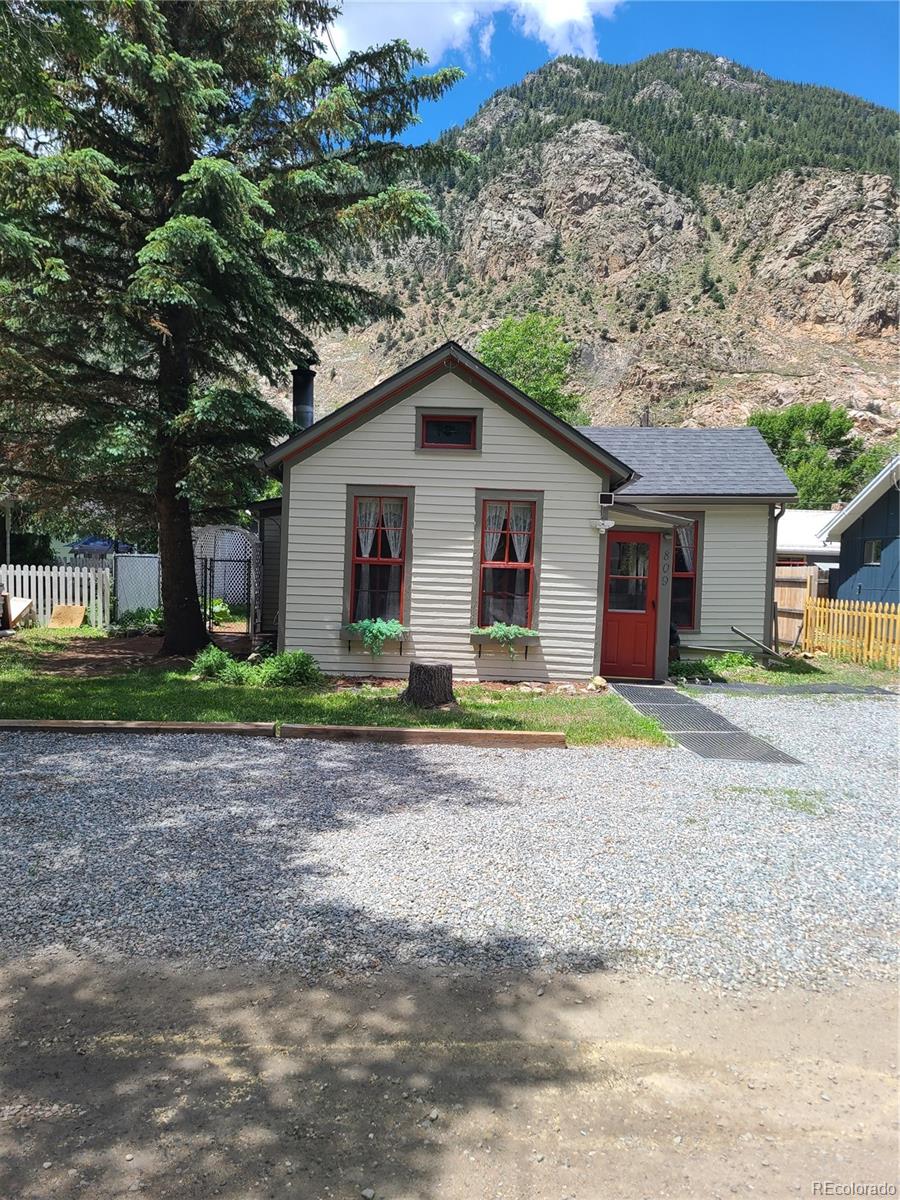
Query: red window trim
{"points": [[472, 420], [377, 560], [692, 575], [505, 562]]}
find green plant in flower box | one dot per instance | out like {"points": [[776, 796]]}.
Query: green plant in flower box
{"points": [[373, 632], [505, 635]]}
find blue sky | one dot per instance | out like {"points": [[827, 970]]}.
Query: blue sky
{"points": [[848, 44]]}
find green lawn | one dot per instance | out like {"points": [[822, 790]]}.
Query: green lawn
{"points": [[42, 640], [167, 695], [817, 670]]}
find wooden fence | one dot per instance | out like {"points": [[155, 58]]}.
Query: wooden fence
{"points": [[853, 629], [49, 586], [794, 585]]}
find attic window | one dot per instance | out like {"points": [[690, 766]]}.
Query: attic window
{"points": [[448, 431], [872, 552]]}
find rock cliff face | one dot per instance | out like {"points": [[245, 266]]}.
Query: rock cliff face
{"points": [[704, 301], [588, 190]]}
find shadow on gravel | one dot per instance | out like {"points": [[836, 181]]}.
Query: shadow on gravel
{"points": [[273, 1076], [207, 846], [240, 1083]]}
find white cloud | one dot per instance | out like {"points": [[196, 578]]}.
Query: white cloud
{"points": [[434, 26], [563, 26], [485, 37]]}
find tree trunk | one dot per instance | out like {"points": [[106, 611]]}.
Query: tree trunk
{"points": [[184, 628], [430, 685]]}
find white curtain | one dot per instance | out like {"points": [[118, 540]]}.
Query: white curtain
{"points": [[366, 519], [393, 524], [495, 515], [520, 528], [686, 545]]}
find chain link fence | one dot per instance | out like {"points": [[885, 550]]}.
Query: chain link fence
{"points": [[135, 582], [229, 587]]}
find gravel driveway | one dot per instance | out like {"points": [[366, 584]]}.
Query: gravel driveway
{"points": [[320, 855]]}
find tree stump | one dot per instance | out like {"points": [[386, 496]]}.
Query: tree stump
{"points": [[430, 685]]}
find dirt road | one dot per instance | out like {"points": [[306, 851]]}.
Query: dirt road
{"points": [[169, 1082]]}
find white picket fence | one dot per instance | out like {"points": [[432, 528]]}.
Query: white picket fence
{"points": [[49, 586]]}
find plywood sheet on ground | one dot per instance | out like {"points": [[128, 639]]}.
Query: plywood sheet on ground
{"points": [[67, 616]]}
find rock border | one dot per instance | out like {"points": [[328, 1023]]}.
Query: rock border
{"points": [[522, 739]]}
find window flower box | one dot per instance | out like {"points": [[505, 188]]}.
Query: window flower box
{"points": [[511, 637], [374, 634]]}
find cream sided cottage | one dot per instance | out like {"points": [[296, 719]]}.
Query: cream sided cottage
{"points": [[448, 500]]}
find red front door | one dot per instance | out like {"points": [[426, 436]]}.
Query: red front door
{"points": [[629, 621]]}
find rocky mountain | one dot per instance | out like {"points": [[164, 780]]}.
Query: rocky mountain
{"points": [[714, 240]]}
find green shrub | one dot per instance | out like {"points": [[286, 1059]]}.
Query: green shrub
{"points": [[137, 618], [219, 611], [293, 668], [238, 673], [714, 666], [688, 668], [732, 660], [211, 662], [222, 612]]}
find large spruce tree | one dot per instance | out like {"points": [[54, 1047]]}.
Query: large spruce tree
{"points": [[181, 182]]}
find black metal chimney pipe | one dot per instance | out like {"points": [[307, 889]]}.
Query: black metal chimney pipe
{"points": [[303, 413]]}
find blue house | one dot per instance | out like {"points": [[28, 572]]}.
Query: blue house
{"points": [[868, 529]]}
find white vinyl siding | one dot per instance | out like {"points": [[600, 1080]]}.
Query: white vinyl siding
{"points": [[733, 585], [442, 555]]}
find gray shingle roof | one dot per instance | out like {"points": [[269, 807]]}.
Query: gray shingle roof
{"points": [[694, 462]]}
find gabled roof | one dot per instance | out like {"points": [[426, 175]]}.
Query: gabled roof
{"points": [[724, 464], [450, 358], [798, 532], [887, 477]]}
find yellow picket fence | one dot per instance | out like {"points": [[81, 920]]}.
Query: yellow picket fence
{"points": [[853, 629]]}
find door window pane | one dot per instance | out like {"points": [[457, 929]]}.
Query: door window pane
{"points": [[629, 558], [628, 595]]}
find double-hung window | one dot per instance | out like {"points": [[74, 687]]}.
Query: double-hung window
{"points": [[378, 557], [506, 587], [684, 576]]}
